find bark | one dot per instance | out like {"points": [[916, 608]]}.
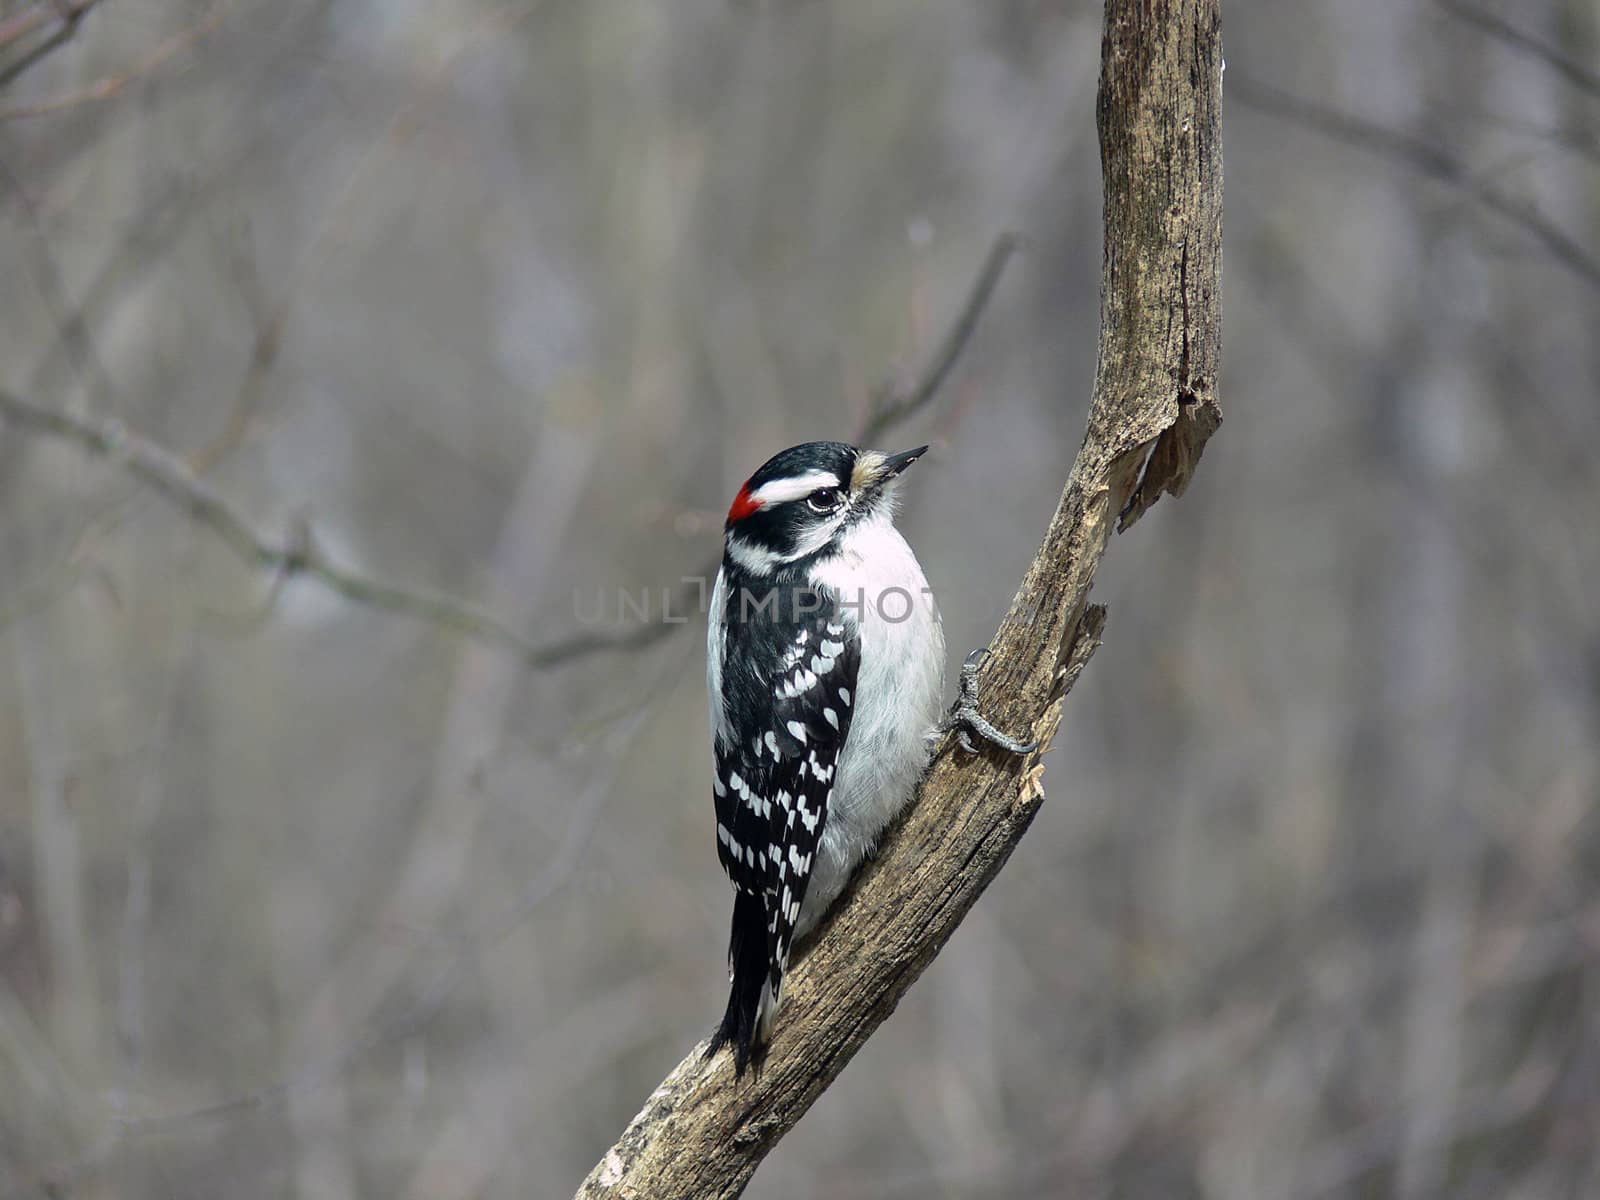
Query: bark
{"points": [[1154, 405]]}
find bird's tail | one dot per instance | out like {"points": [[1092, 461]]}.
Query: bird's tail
{"points": [[753, 998]]}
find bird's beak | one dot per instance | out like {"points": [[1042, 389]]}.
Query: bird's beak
{"points": [[875, 470], [895, 463]]}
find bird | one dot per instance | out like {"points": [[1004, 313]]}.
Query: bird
{"points": [[825, 665]]}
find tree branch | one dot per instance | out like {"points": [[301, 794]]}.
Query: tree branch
{"points": [[1154, 405]]}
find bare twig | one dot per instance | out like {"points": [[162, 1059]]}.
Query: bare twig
{"points": [[274, 323], [289, 555], [702, 1133], [74, 333], [76, 339], [1496, 26], [891, 407], [113, 85], [1421, 156], [67, 14]]}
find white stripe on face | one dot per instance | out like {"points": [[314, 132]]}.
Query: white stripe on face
{"points": [[780, 491], [817, 538], [751, 557]]}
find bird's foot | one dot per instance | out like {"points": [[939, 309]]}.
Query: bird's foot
{"points": [[966, 719]]}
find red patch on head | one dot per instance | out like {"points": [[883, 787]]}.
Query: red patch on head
{"points": [[743, 505]]}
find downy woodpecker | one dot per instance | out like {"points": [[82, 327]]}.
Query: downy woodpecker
{"points": [[825, 666]]}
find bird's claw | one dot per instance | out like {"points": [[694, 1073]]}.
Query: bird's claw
{"points": [[966, 719]]}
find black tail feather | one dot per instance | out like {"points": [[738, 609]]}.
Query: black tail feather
{"points": [[748, 958]]}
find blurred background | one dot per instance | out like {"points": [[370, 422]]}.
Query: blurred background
{"points": [[304, 897]]}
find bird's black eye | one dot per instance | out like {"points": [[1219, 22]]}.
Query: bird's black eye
{"points": [[823, 500]]}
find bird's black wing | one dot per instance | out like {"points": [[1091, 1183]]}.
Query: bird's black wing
{"points": [[788, 674]]}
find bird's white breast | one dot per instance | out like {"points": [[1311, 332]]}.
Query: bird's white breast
{"points": [[898, 700]]}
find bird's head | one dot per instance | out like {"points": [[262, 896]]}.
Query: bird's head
{"points": [[804, 500]]}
